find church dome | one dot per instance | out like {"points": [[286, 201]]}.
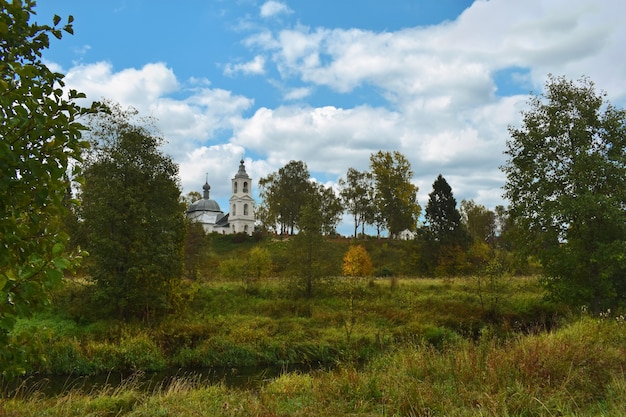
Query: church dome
{"points": [[204, 205], [242, 171]]}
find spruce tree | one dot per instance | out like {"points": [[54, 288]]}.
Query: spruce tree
{"points": [[442, 216]]}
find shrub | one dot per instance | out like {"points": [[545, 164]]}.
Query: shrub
{"points": [[141, 353]]}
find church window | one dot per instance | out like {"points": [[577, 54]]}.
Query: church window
{"points": [[245, 187], [235, 187], [234, 210], [245, 209], [245, 228]]}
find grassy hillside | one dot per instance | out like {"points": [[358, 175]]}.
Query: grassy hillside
{"points": [[377, 346], [223, 323], [574, 371]]}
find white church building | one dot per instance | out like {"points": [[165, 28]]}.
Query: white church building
{"points": [[241, 217]]}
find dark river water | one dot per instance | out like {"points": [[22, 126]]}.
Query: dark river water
{"points": [[56, 385]]}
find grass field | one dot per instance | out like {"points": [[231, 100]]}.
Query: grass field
{"points": [[226, 324], [417, 347]]}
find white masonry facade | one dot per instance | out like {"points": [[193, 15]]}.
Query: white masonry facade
{"points": [[241, 218]]}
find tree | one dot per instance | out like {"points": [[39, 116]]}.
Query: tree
{"points": [[132, 216], [395, 195], [284, 193], [330, 207], [190, 198], [357, 262], [40, 136], [308, 248], [566, 181], [442, 216], [259, 264], [256, 265], [479, 221], [356, 193], [446, 238], [503, 224], [195, 247]]}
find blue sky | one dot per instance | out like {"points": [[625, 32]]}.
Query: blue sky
{"points": [[330, 82]]}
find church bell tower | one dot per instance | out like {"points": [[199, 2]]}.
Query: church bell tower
{"points": [[241, 216]]}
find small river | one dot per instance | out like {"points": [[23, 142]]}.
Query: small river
{"points": [[57, 385]]}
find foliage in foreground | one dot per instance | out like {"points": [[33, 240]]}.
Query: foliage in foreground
{"points": [[575, 371], [40, 138]]}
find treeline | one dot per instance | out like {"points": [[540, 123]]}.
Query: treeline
{"points": [[452, 240]]}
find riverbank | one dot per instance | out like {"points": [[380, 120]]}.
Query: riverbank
{"points": [[226, 324], [573, 371]]}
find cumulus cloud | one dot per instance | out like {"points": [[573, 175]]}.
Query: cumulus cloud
{"points": [[297, 93], [440, 101], [256, 66], [131, 86], [445, 112], [556, 36], [327, 138], [184, 122], [272, 8]]}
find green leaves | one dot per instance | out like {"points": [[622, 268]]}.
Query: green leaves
{"points": [[566, 180], [284, 193], [357, 194], [39, 139], [395, 195], [132, 218]]}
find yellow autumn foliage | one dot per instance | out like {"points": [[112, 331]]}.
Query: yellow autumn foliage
{"points": [[357, 262]]}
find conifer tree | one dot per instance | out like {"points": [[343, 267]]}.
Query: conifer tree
{"points": [[442, 216]]}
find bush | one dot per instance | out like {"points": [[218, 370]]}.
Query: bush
{"points": [[383, 272], [440, 337], [240, 237], [141, 353]]}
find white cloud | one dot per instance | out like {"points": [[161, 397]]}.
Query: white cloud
{"points": [[328, 139], [297, 93], [443, 108], [136, 87], [440, 83], [256, 66], [184, 122], [556, 36], [82, 50], [272, 8]]}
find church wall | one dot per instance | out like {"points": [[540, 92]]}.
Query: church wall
{"points": [[241, 218]]}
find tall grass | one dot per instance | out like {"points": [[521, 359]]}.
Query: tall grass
{"points": [[574, 371], [225, 325]]}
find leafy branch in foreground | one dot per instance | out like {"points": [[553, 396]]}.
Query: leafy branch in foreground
{"points": [[40, 151]]}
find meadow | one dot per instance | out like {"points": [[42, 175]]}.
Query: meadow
{"points": [[385, 346]]}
